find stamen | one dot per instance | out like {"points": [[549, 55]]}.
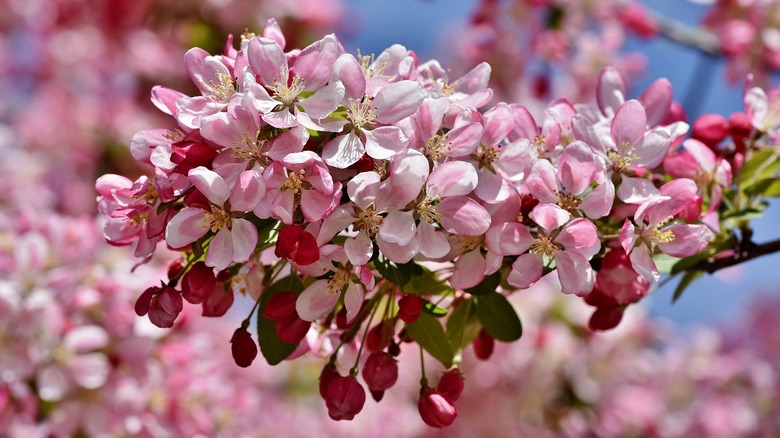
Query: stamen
{"points": [[338, 281], [367, 220], [437, 147], [222, 91], [218, 219], [295, 182], [427, 211], [568, 202], [544, 245], [361, 114]]}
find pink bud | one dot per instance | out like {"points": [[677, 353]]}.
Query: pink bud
{"points": [[165, 307], [297, 245], [435, 410], [710, 129], [291, 329], [409, 308], [280, 305], [636, 18], [606, 318], [188, 155], [218, 302], [483, 345], [243, 347], [380, 371], [344, 397], [450, 385], [198, 283]]}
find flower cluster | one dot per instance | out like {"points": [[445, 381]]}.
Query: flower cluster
{"points": [[357, 199]]}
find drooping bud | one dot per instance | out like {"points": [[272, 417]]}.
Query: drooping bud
{"points": [[198, 283], [409, 308], [710, 129], [380, 371], [450, 385], [606, 318], [144, 302], [380, 335], [174, 268], [243, 347], [165, 306], [483, 345], [637, 18], [218, 302], [435, 410], [291, 329], [328, 373], [297, 245], [344, 397]]}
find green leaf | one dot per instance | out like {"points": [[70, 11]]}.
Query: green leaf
{"points": [[426, 283], [768, 187], [434, 310], [685, 282], [274, 349], [759, 161], [688, 262], [428, 332], [746, 214], [398, 274], [486, 286], [462, 325], [498, 317], [665, 262]]}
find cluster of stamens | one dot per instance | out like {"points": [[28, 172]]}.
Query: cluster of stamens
{"points": [[427, 211], [622, 157], [250, 148], [369, 67], [662, 236], [338, 281], [287, 94], [437, 147], [367, 220], [174, 136], [295, 182], [218, 219], [568, 202], [486, 155], [544, 245], [224, 90], [361, 114]]}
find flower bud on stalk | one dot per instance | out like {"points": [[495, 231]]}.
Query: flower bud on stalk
{"points": [[450, 385], [435, 410], [483, 345], [409, 308], [344, 397], [243, 347], [380, 371]]}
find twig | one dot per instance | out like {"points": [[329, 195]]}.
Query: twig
{"points": [[745, 252]]}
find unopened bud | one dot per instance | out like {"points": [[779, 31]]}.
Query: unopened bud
{"points": [[280, 305], [483, 345], [435, 410], [606, 318], [344, 397], [243, 347], [409, 308], [380, 371], [450, 385]]}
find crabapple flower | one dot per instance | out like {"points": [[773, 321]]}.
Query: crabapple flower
{"points": [[570, 243], [654, 226], [235, 237]]}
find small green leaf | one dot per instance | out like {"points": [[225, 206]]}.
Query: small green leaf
{"points": [[398, 274], [274, 349], [685, 282], [746, 214], [688, 262], [426, 283], [462, 326], [498, 317], [434, 310], [767, 187], [759, 161], [428, 332], [486, 286], [665, 262]]}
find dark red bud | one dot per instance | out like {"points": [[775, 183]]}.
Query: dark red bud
{"points": [[327, 374], [450, 385], [198, 283], [377, 395], [291, 329], [739, 126], [435, 410], [409, 308], [380, 336], [189, 155], [165, 306], [380, 371], [243, 348], [297, 245], [218, 302], [344, 398], [606, 318], [144, 301], [483, 345], [174, 268], [280, 305]]}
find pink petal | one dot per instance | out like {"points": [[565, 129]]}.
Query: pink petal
{"points": [[627, 236], [316, 205], [578, 234], [652, 149], [526, 271], [598, 203], [281, 119], [509, 238], [610, 91], [244, 236], [398, 227], [266, 59], [247, 192], [165, 99], [315, 62], [464, 139], [324, 101], [210, 184], [343, 151], [549, 216], [469, 270], [384, 142], [498, 124], [359, 249], [398, 253], [629, 124], [577, 168], [643, 263], [657, 99], [452, 178], [688, 240], [348, 71], [492, 188], [397, 101], [574, 272], [636, 190], [186, 227], [433, 243], [353, 300], [542, 182], [220, 252], [316, 301], [463, 216]]}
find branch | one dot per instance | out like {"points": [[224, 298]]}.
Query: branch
{"points": [[746, 252], [697, 38]]}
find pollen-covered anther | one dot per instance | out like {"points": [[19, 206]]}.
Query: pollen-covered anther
{"points": [[361, 113], [367, 220], [367, 65], [218, 219], [287, 94], [174, 136], [247, 35], [223, 90], [338, 281], [295, 182], [662, 236], [249, 148], [139, 218], [486, 155], [568, 202], [437, 147], [543, 245], [427, 211], [622, 158]]}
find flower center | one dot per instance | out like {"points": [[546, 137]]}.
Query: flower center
{"points": [[222, 91], [287, 94], [486, 155], [339, 280], [368, 221], [427, 210], [361, 114], [544, 245], [369, 67], [568, 202], [437, 147], [249, 148], [622, 157], [218, 219], [295, 182], [656, 234]]}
